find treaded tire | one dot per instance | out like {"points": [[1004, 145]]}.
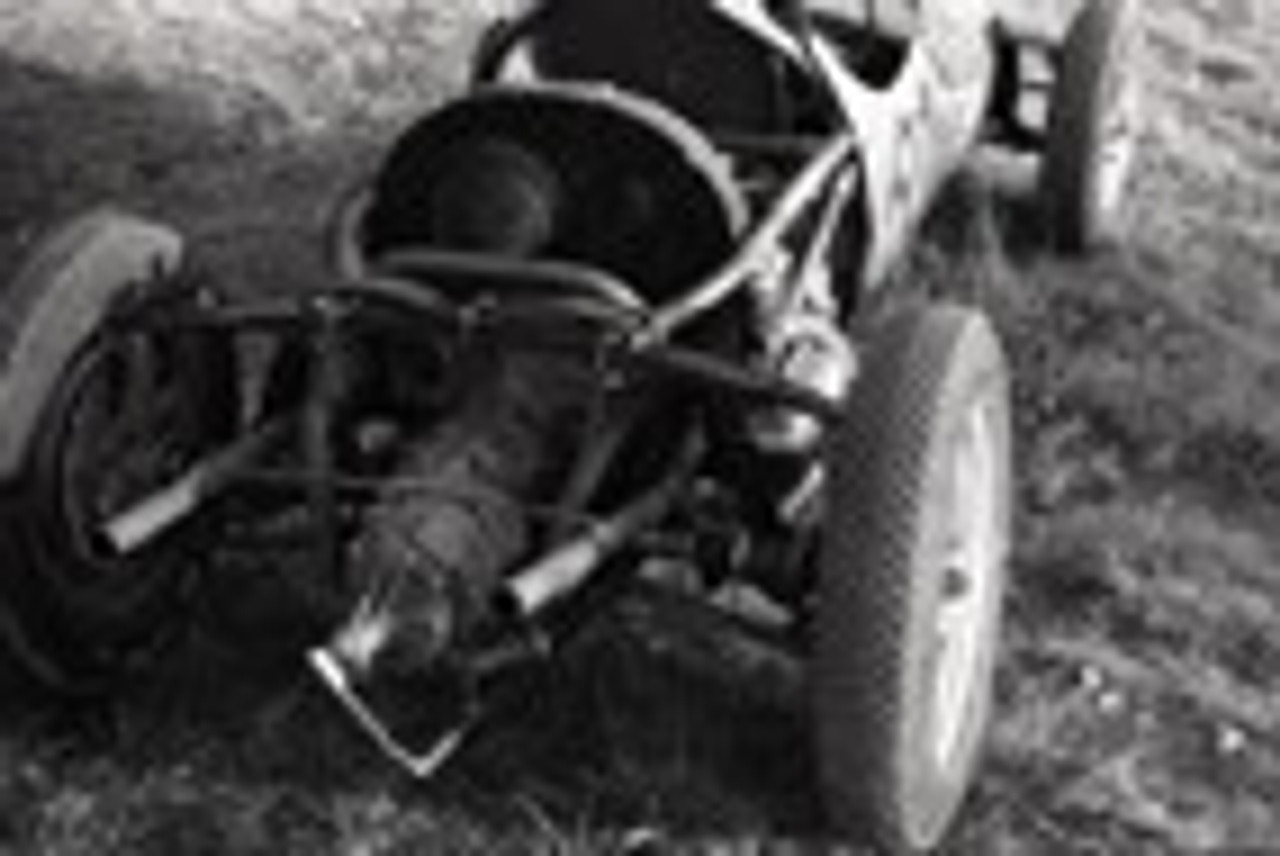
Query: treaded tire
{"points": [[885, 586], [1093, 115], [81, 397]]}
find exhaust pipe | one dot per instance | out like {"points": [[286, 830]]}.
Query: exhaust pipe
{"points": [[567, 568], [166, 508]]}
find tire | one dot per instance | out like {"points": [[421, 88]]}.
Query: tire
{"points": [[894, 767], [105, 413], [1093, 129]]}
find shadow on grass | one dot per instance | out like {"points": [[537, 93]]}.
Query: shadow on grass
{"points": [[244, 187], [215, 753]]}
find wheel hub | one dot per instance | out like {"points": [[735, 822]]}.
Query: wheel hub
{"points": [[967, 596]]}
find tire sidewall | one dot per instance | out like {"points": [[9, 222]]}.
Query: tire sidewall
{"points": [[914, 803]]}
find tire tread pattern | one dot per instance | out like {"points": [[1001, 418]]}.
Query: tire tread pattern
{"points": [[867, 586]]}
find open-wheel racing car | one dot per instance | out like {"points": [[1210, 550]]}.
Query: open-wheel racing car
{"points": [[623, 305]]}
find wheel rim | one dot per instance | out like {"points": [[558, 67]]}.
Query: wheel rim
{"points": [[1118, 130], [1117, 153], [971, 557]]}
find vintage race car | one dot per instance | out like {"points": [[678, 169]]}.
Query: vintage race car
{"points": [[623, 305]]}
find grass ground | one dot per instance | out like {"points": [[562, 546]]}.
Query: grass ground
{"points": [[1139, 693]]}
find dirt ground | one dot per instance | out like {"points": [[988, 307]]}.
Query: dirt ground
{"points": [[1139, 707]]}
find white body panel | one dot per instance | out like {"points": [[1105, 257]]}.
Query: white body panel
{"points": [[914, 133]]}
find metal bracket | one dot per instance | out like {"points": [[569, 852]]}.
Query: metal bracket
{"points": [[420, 765]]}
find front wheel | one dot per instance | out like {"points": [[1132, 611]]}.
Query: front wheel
{"points": [[1094, 135], [912, 578]]}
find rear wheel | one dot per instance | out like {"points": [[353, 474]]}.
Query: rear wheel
{"points": [[1093, 135], [122, 412], [912, 578]]}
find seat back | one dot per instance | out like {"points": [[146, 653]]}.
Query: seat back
{"points": [[679, 52], [638, 192]]}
